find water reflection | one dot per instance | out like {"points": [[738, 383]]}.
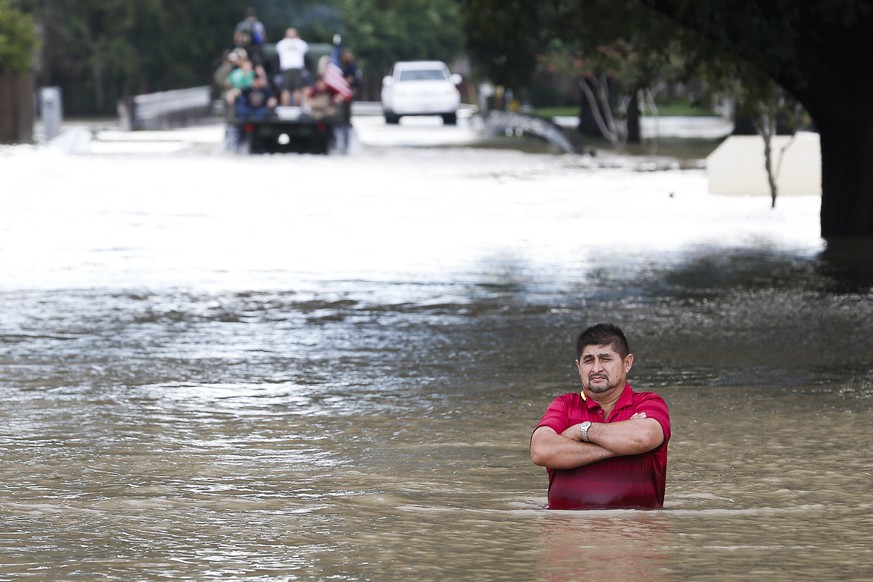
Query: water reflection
{"points": [[608, 545], [848, 264]]}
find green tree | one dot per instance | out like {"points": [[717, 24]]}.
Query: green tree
{"points": [[817, 51], [814, 50], [615, 81], [98, 51], [604, 45], [384, 31], [506, 37], [17, 39]]}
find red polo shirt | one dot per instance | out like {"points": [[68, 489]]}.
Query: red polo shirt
{"points": [[632, 481]]}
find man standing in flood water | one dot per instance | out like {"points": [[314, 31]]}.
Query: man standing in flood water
{"points": [[606, 446]]}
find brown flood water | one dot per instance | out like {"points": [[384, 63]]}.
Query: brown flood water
{"points": [[206, 407]]}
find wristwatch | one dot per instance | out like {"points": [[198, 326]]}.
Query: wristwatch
{"points": [[583, 429]]}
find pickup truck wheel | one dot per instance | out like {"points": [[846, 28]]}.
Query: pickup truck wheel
{"points": [[450, 119], [392, 119]]}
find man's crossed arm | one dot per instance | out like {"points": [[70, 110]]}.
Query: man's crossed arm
{"points": [[567, 451]]}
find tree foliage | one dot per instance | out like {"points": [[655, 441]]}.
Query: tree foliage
{"points": [[98, 51], [816, 50], [618, 36], [385, 31], [17, 39], [615, 50], [505, 38]]}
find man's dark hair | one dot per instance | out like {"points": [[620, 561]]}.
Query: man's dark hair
{"points": [[603, 334]]}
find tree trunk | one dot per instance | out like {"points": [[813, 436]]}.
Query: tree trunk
{"points": [[16, 107], [768, 167], [817, 55], [634, 129], [587, 121], [591, 117], [846, 173], [847, 266]]}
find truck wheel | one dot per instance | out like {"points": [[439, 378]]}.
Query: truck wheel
{"points": [[450, 119], [392, 119]]}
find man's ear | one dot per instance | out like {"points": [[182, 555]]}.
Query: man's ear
{"points": [[628, 363]]}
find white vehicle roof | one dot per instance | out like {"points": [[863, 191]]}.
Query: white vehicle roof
{"points": [[419, 65]]}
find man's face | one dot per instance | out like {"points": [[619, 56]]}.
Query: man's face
{"points": [[601, 368]]}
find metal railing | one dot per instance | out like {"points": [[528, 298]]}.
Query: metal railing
{"points": [[165, 109]]}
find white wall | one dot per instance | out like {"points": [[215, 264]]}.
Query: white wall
{"points": [[737, 165]]}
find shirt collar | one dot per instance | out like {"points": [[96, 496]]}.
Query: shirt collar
{"points": [[626, 399]]}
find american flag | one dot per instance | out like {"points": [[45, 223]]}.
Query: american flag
{"points": [[333, 75]]}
